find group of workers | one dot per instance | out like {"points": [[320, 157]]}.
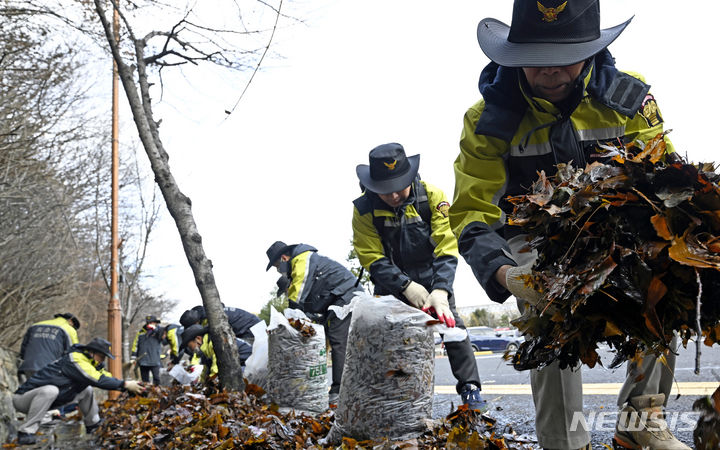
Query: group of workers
{"points": [[551, 94], [59, 373]]}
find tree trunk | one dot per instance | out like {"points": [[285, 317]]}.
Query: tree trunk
{"points": [[179, 206]]}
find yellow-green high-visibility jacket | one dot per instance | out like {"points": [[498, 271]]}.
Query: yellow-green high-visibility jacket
{"points": [[173, 339], [147, 347], [72, 373], [46, 341], [407, 248], [209, 359], [316, 281], [509, 136]]}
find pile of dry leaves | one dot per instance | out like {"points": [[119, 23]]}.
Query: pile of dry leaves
{"points": [[205, 418], [629, 252]]}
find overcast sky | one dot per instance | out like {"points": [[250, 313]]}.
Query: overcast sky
{"points": [[356, 75]]}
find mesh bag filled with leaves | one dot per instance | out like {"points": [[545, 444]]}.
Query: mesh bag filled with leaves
{"points": [[628, 254], [297, 363], [387, 384]]}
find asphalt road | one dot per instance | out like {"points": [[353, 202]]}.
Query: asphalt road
{"points": [[516, 410]]}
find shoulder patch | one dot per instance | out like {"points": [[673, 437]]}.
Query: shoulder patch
{"points": [[625, 94], [649, 110], [443, 208]]}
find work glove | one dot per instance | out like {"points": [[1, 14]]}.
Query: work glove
{"points": [[518, 283], [416, 294], [437, 305], [134, 387]]}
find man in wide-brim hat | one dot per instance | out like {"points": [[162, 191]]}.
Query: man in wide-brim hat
{"points": [[402, 237], [551, 94], [313, 283], [68, 379]]}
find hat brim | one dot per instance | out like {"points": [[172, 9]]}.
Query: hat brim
{"points": [[186, 338], [108, 354], [391, 185], [492, 35], [276, 256]]}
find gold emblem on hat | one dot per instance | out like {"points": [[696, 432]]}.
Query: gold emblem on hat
{"points": [[390, 166], [550, 14]]}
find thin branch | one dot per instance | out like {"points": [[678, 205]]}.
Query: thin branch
{"points": [[257, 67]]}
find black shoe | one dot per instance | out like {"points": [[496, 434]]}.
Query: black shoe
{"points": [[91, 428], [470, 395], [25, 438]]}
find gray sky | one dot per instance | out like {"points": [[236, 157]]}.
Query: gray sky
{"points": [[356, 75]]}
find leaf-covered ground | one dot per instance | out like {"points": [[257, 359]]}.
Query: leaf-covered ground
{"points": [[629, 254], [193, 417]]}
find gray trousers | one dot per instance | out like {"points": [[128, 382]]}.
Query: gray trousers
{"points": [[35, 403], [557, 394]]}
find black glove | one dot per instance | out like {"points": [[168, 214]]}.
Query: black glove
{"points": [[283, 283]]}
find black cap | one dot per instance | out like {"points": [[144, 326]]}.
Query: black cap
{"points": [[100, 345], [191, 333], [274, 253], [389, 170], [151, 319], [71, 317], [189, 318]]}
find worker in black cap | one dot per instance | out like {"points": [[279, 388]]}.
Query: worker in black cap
{"points": [[46, 341], [552, 95], [402, 237], [70, 378], [239, 320], [317, 282], [146, 349]]}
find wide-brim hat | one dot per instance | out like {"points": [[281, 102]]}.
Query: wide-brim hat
{"points": [[276, 250], [100, 345], [191, 333], [390, 170], [547, 33]]}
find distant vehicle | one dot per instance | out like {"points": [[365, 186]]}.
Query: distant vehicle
{"points": [[510, 332], [486, 338]]}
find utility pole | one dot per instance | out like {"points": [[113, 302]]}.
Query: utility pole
{"points": [[114, 317]]}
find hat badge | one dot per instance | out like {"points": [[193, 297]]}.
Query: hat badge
{"points": [[390, 166], [550, 14]]}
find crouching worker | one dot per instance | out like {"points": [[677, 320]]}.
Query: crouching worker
{"points": [[68, 379], [197, 342]]}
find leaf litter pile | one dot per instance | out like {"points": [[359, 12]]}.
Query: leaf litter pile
{"points": [[203, 417], [628, 253]]}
